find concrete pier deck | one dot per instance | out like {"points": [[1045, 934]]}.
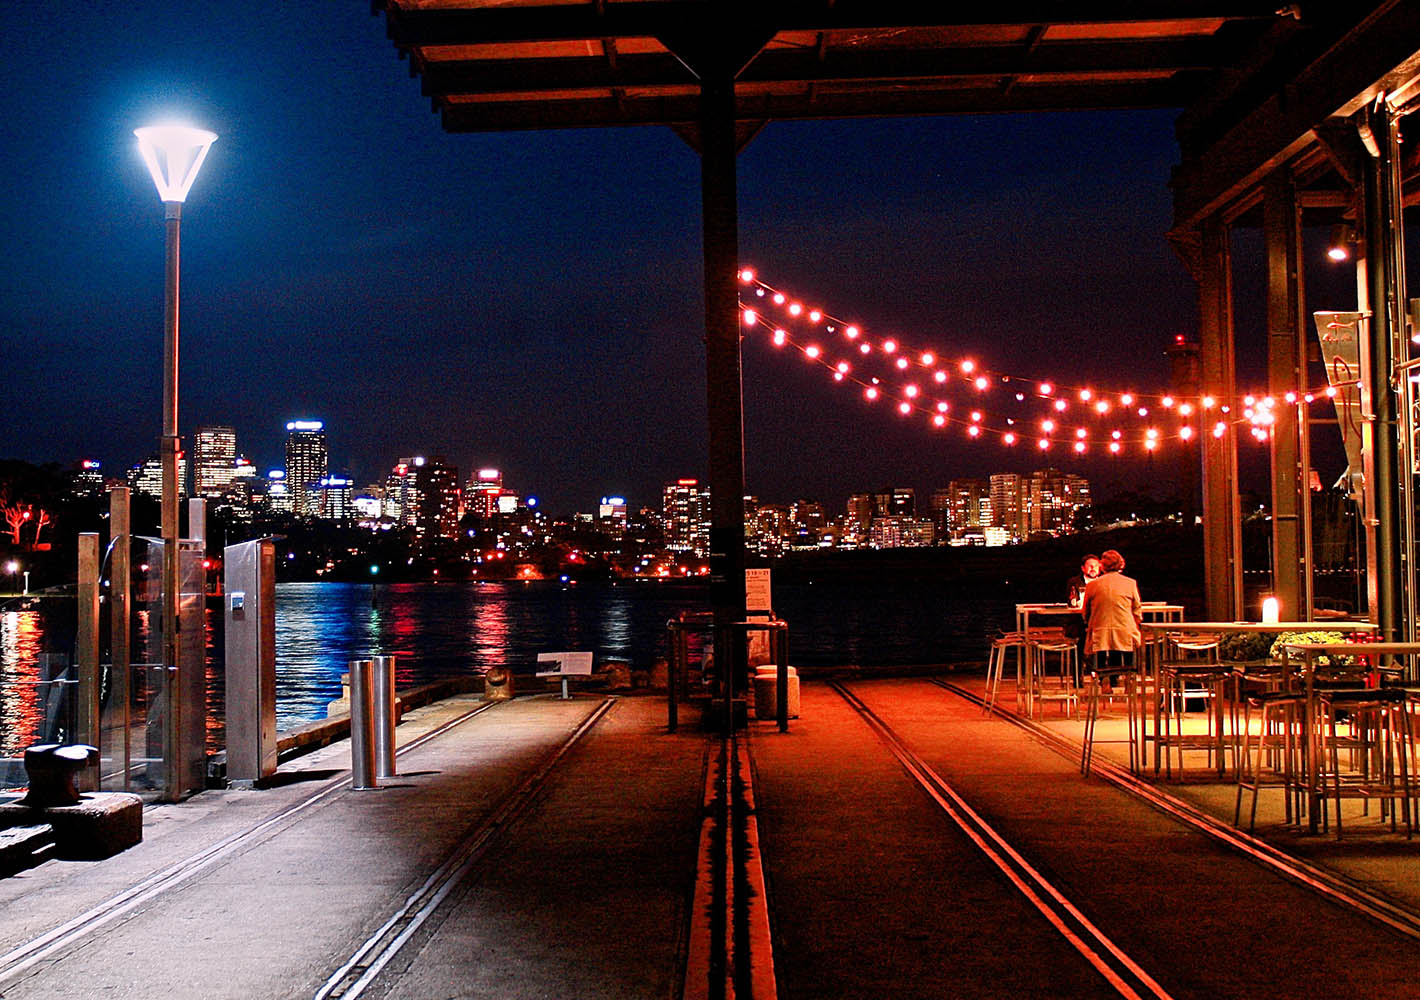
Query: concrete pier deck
{"points": [[909, 845]]}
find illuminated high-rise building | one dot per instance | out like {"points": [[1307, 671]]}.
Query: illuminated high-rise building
{"points": [[1055, 499], [147, 476], [214, 459], [686, 509], [611, 514], [482, 493], [1009, 504], [337, 499], [87, 479], [307, 463], [965, 503], [423, 494]]}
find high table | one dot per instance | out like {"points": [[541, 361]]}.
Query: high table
{"points": [[1307, 653], [1156, 633], [1154, 611]]}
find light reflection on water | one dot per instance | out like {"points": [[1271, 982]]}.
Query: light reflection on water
{"points": [[441, 630]]}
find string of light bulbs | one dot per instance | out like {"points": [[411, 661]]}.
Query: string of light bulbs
{"points": [[937, 372]]}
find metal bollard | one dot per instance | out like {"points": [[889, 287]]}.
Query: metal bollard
{"points": [[362, 718], [383, 689]]}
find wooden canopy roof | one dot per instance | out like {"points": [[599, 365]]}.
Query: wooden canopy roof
{"points": [[1251, 78]]}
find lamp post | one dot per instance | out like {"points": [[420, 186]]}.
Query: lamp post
{"points": [[12, 567], [173, 154]]}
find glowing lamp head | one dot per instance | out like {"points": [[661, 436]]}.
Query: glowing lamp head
{"points": [[910, 391], [902, 364], [842, 368], [778, 298], [1046, 388], [1114, 447], [173, 155], [1060, 406], [974, 431], [815, 315], [928, 359], [1043, 444], [870, 393], [779, 337], [865, 348]]}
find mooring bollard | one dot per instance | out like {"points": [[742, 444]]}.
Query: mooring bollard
{"points": [[362, 719], [383, 689]]}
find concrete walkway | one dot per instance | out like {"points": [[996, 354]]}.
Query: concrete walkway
{"points": [[578, 871]]}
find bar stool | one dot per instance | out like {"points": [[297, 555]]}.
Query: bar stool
{"points": [[1280, 742], [1063, 690], [1381, 745], [1001, 646], [1192, 661], [1093, 695]]}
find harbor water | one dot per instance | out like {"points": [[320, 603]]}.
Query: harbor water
{"points": [[446, 630]]}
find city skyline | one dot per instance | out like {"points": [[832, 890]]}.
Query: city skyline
{"points": [[524, 300]]}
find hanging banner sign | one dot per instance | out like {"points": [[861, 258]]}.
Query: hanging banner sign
{"points": [[1340, 335]]}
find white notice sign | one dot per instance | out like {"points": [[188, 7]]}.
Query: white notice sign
{"points": [[757, 588], [563, 664]]}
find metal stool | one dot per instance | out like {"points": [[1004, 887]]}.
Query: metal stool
{"points": [[1279, 741], [1063, 690], [1382, 744], [1093, 695], [996, 667]]}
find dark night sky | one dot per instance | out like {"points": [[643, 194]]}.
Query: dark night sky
{"points": [[531, 300]]}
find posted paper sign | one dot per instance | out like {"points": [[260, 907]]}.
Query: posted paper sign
{"points": [[563, 664], [757, 591]]}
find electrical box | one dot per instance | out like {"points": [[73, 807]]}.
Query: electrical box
{"points": [[249, 617]]}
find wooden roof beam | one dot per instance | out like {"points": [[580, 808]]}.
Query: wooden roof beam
{"points": [[497, 116], [1380, 54], [413, 27], [781, 65]]}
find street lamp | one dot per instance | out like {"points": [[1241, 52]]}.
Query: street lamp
{"points": [[173, 154], [12, 567]]}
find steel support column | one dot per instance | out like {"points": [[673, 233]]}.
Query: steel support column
{"points": [[1222, 517], [1385, 275], [722, 356], [1286, 364]]}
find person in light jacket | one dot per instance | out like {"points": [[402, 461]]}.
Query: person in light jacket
{"points": [[1112, 616]]}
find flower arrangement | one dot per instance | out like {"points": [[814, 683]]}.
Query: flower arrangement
{"points": [[1314, 638]]}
